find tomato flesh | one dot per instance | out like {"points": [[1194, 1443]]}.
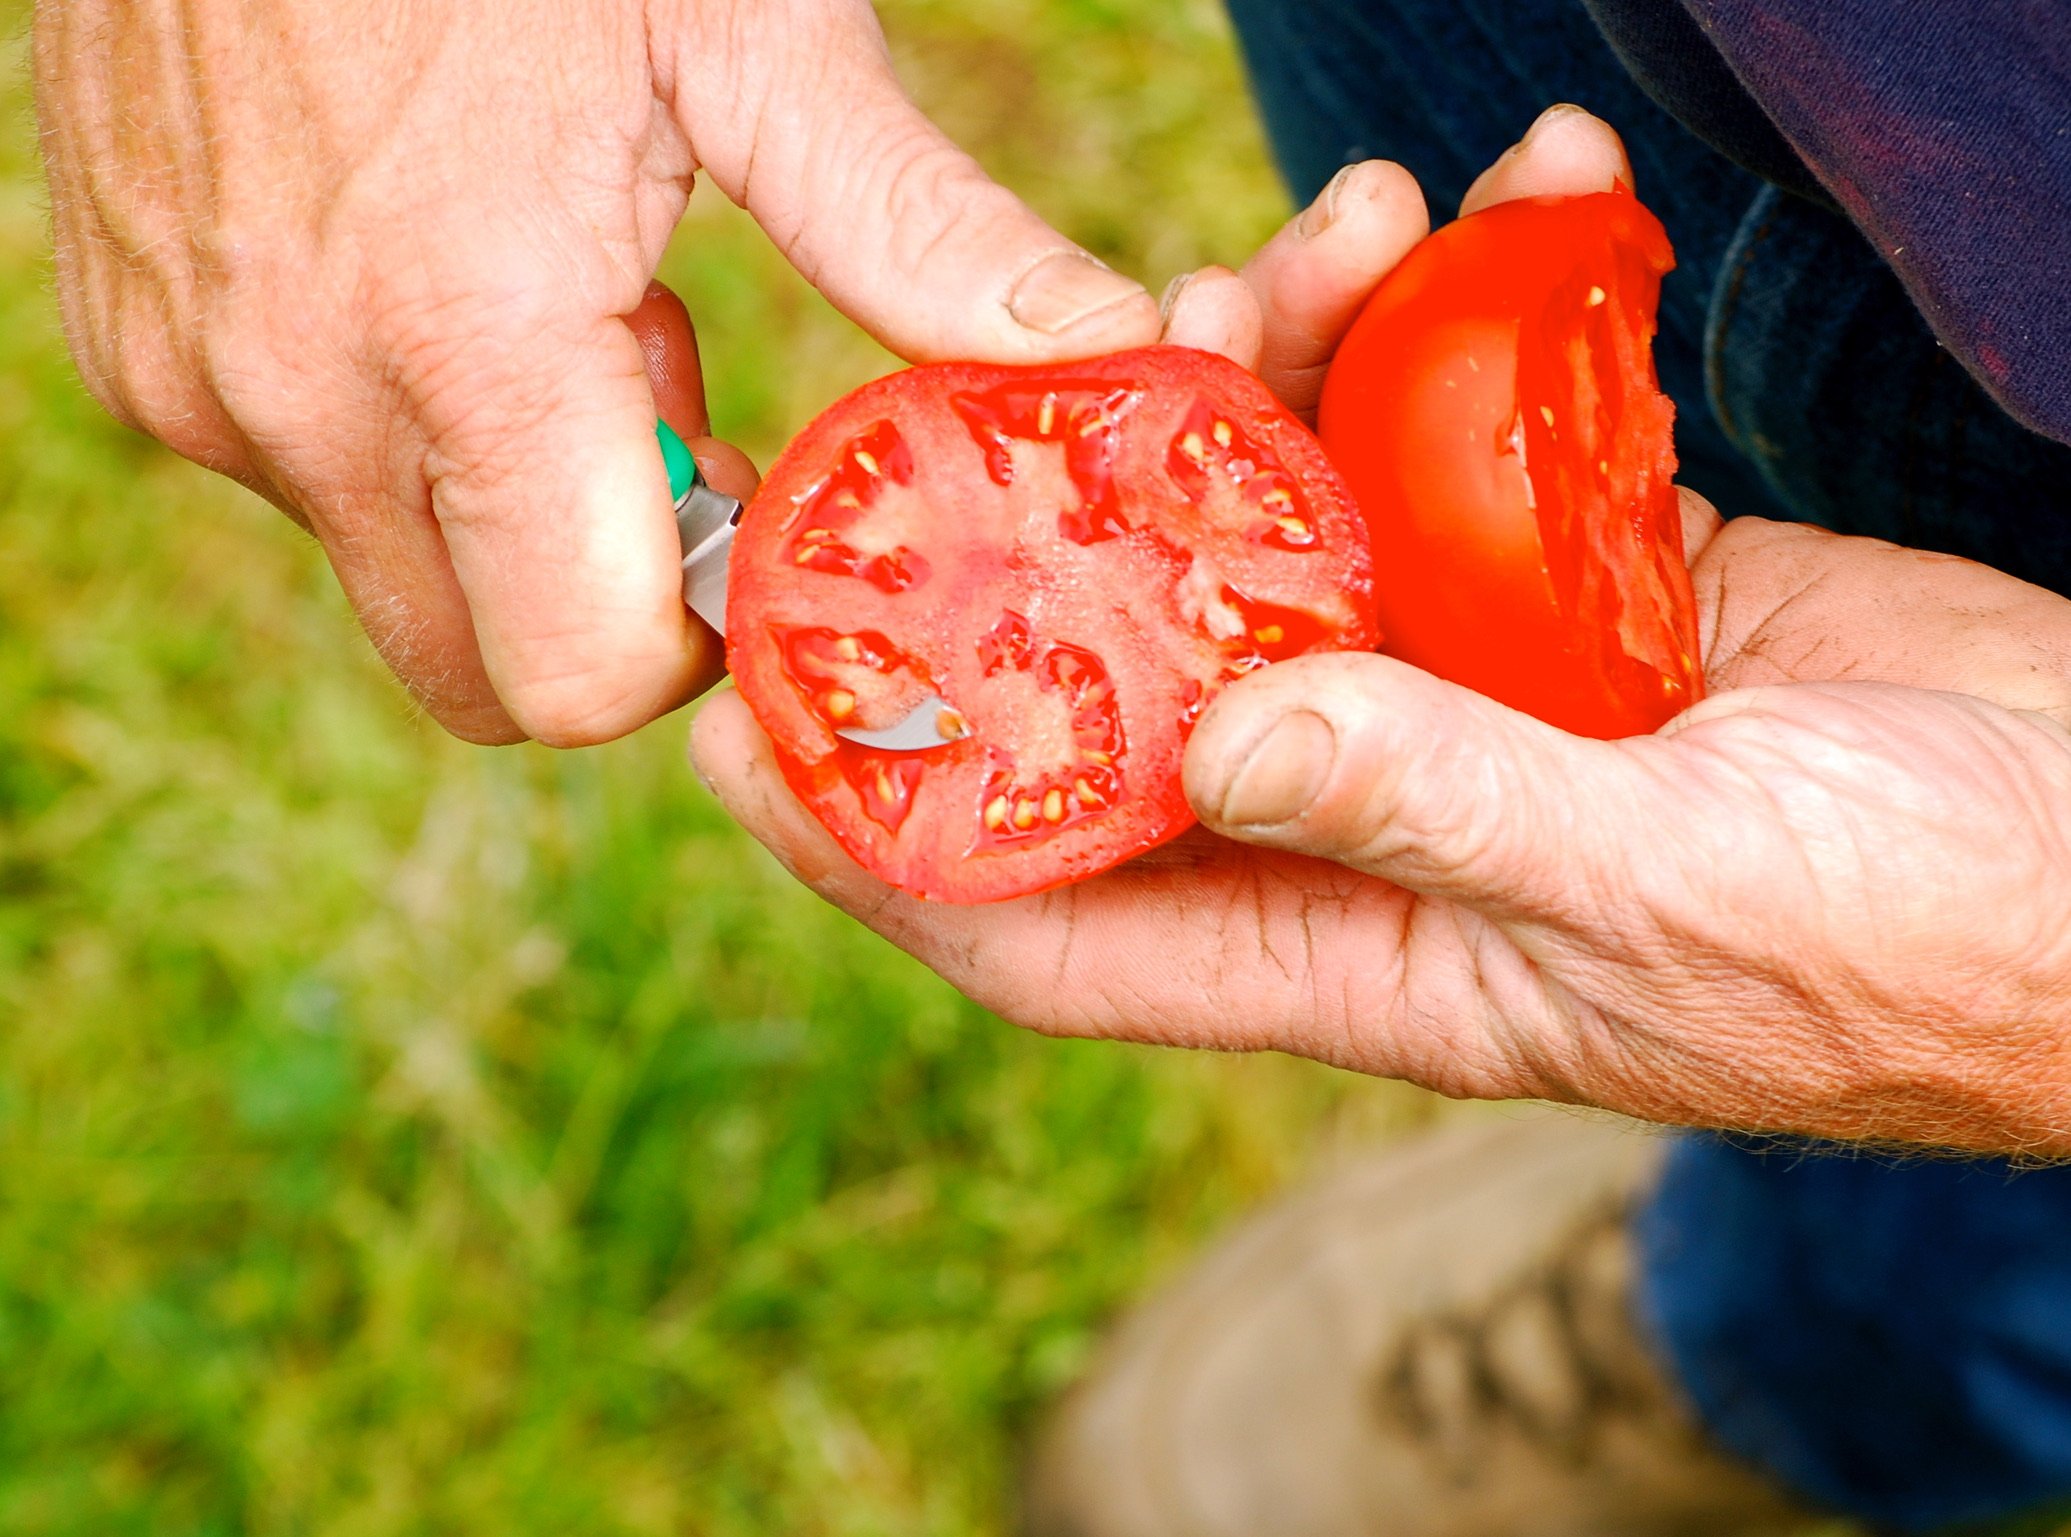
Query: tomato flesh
{"points": [[1495, 412], [1075, 559]]}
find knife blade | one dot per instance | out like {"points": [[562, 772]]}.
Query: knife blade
{"points": [[706, 520]]}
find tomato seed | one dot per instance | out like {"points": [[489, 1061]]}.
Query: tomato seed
{"points": [[848, 648], [1025, 814], [840, 704], [1053, 806], [1269, 635], [996, 813], [1596, 297], [1546, 415], [1225, 434], [867, 461], [1086, 793]]}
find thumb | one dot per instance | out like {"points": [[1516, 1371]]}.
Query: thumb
{"points": [[545, 480], [794, 112], [1565, 153], [1379, 766]]}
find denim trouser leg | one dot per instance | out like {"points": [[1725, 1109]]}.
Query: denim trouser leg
{"points": [[1444, 87], [1891, 1339], [1806, 384]]}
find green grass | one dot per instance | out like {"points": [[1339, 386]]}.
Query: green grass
{"points": [[400, 1137]]}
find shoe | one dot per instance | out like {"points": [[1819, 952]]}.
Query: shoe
{"points": [[1435, 1344]]}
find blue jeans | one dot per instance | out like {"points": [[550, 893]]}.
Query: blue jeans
{"points": [[1891, 1340]]}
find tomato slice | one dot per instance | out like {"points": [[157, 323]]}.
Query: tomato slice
{"points": [[1075, 558], [1495, 411]]}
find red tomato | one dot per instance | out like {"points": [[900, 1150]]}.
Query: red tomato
{"points": [[1074, 557], [1496, 415]]}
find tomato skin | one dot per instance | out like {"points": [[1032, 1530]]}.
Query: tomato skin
{"points": [[1496, 414], [1076, 557]]}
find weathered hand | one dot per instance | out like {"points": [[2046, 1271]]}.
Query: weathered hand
{"points": [[1810, 905], [374, 261]]}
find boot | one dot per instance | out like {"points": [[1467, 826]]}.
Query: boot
{"points": [[1438, 1343]]}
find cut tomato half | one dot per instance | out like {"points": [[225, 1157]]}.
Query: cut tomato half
{"points": [[1495, 411], [1073, 558]]}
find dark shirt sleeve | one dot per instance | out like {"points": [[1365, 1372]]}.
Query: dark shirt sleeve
{"points": [[1943, 128]]}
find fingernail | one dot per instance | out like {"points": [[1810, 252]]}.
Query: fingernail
{"points": [[1068, 288], [1557, 113], [1170, 298], [1283, 774], [1323, 212]]}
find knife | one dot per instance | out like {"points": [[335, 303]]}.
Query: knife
{"points": [[706, 519]]}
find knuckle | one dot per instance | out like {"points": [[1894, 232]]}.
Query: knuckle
{"points": [[423, 317], [96, 362], [263, 365], [470, 384], [478, 723], [176, 408], [103, 382], [447, 683], [581, 707], [173, 417], [126, 339], [142, 376]]}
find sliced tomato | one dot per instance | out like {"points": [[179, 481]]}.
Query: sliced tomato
{"points": [[1075, 559], [1495, 411]]}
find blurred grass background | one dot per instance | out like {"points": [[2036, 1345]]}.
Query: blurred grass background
{"points": [[398, 1137]]}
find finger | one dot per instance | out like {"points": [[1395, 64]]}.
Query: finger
{"points": [[1381, 767], [1214, 311], [734, 760], [552, 497], [1313, 277], [1701, 522], [899, 228], [392, 564], [669, 344], [371, 510], [402, 586], [725, 468], [675, 374], [1104, 957], [1566, 153], [391, 557]]}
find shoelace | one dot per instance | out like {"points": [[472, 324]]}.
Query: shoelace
{"points": [[1553, 1356]]}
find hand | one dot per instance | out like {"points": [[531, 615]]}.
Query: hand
{"points": [[1831, 907], [375, 261]]}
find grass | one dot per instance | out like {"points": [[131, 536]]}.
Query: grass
{"points": [[398, 1137]]}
